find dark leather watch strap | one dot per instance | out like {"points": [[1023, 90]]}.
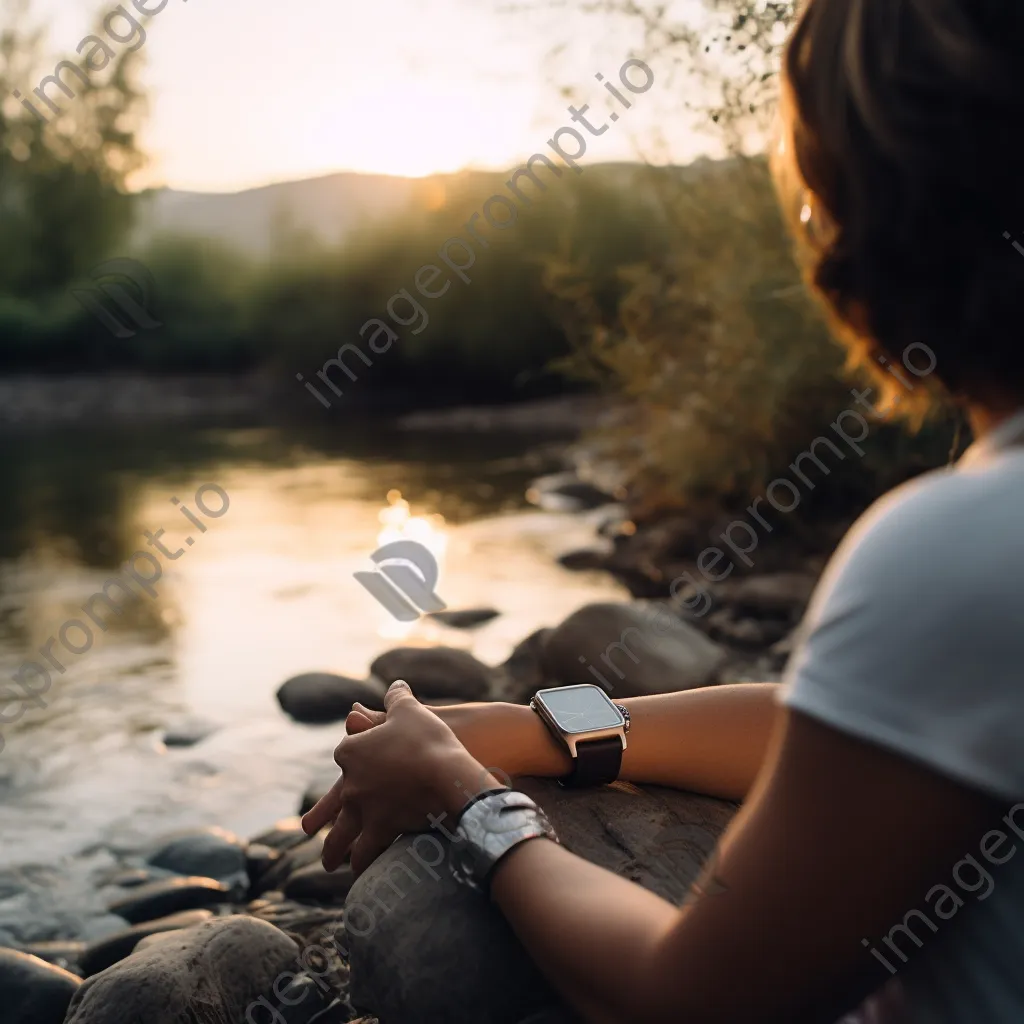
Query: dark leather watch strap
{"points": [[597, 762]]}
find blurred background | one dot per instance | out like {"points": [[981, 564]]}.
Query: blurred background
{"points": [[280, 172]]}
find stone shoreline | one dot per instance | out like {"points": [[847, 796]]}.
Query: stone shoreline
{"points": [[215, 928]]}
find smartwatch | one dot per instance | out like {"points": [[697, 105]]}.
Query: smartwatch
{"points": [[591, 727]]}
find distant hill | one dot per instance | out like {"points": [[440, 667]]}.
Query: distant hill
{"points": [[328, 208]]}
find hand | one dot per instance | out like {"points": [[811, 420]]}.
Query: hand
{"points": [[491, 732], [402, 770]]}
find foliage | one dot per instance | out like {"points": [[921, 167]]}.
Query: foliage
{"points": [[720, 358], [63, 200]]}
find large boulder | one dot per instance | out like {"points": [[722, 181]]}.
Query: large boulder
{"points": [[210, 974], [321, 697], [209, 852], [633, 649], [523, 672], [422, 947], [315, 885], [437, 672], [102, 953], [33, 991], [169, 896]]}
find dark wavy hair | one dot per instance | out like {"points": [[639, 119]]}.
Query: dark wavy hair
{"points": [[901, 166]]}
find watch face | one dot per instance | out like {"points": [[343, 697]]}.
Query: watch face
{"points": [[581, 708]]}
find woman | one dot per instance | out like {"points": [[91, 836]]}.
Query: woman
{"points": [[874, 857]]}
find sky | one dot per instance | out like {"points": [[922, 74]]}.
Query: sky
{"points": [[248, 92]]}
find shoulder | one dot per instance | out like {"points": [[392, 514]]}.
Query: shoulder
{"points": [[914, 638], [944, 538]]}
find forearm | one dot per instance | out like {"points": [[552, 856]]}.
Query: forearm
{"points": [[593, 934], [711, 740]]}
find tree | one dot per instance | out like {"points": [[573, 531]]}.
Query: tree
{"points": [[64, 204]]}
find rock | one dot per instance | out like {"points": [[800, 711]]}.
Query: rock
{"points": [[780, 594], [437, 672], [61, 953], [671, 539], [158, 899], [566, 492], [584, 560], [131, 877], [290, 862], [656, 837], [615, 523], [209, 852], [188, 733], [635, 649], [302, 1001], [321, 697], [157, 937], [315, 884], [33, 991], [747, 634], [99, 955], [301, 919], [210, 974], [647, 558], [285, 834], [522, 673], [258, 861], [465, 619]]}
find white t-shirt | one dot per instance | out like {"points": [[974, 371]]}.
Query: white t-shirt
{"points": [[915, 641]]}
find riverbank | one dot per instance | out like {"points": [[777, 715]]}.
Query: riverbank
{"points": [[582, 588], [36, 401], [154, 899]]}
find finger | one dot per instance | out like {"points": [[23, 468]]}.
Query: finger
{"points": [[399, 694], [340, 838], [366, 849], [362, 718], [343, 750], [324, 811], [357, 722]]}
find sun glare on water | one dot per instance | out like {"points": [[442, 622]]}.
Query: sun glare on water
{"points": [[398, 523]]}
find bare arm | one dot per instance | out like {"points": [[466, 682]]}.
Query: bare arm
{"points": [[837, 845], [711, 740], [827, 852]]}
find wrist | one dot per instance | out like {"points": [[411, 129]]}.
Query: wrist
{"points": [[460, 778], [532, 748], [508, 738]]}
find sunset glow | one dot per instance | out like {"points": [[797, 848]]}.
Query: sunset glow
{"points": [[246, 92]]}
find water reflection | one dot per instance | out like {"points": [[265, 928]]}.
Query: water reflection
{"points": [[266, 593]]}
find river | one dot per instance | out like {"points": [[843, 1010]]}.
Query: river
{"points": [[265, 593]]}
